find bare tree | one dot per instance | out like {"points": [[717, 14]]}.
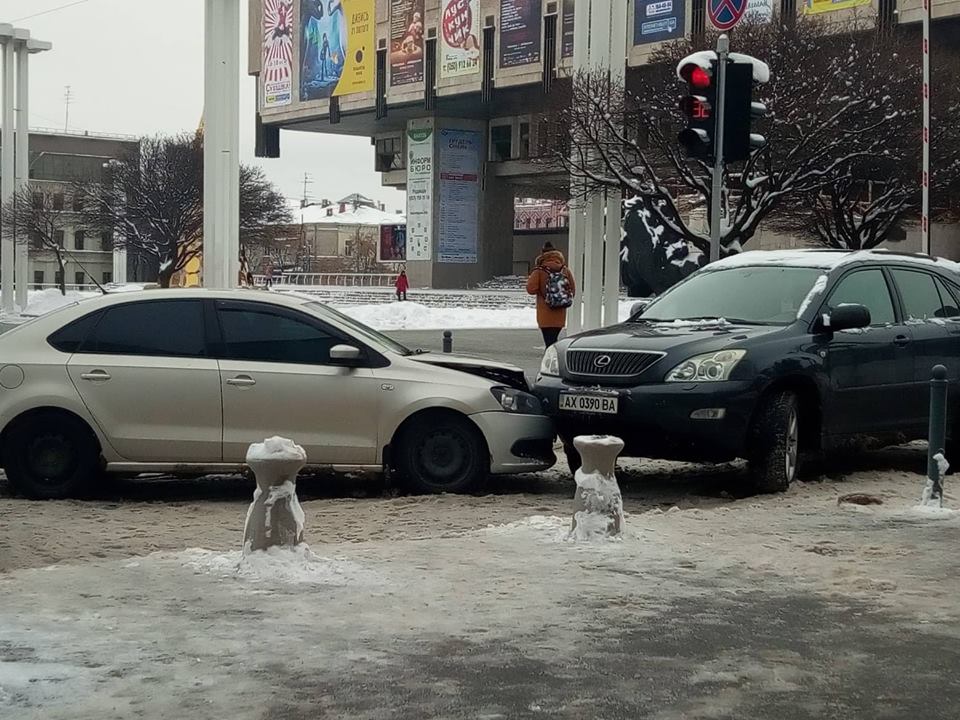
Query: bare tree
{"points": [[152, 200], [835, 100], [37, 220]]}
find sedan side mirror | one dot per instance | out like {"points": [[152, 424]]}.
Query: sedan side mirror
{"points": [[346, 355], [846, 317]]}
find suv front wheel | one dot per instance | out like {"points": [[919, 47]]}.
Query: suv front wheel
{"points": [[774, 451]]}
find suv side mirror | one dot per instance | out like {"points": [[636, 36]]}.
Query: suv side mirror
{"points": [[345, 355], [639, 306], [846, 317]]}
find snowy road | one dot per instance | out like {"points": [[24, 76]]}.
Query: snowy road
{"points": [[782, 607]]}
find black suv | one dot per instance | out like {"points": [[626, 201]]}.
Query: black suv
{"points": [[763, 355]]}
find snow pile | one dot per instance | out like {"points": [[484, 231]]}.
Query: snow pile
{"points": [[297, 565], [276, 448], [414, 316], [552, 527], [602, 516], [41, 302]]}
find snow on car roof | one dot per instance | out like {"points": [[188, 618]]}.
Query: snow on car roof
{"points": [[823, 259]]}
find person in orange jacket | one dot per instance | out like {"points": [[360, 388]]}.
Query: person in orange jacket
{"points": [[553, 284]]}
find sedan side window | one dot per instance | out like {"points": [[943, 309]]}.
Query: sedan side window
{"points": [[921, 299], [160, 328], [867, 288], [950, 309], [265, 336]]}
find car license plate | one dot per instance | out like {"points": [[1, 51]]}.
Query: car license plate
{"points": [[605, 405]]}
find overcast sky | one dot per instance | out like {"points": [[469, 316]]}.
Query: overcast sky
{"points": [[136, 67]]}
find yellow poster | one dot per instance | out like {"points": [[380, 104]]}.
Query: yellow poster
{"points": [[337, 48], [815, 7]]}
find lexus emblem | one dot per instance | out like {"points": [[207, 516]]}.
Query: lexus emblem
{"points": [[603, 361]]}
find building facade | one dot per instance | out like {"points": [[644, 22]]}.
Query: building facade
{"points": [[450, 92], [58, 163]]}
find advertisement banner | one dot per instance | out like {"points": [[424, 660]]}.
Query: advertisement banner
{"points": [[520, 24], [759, 12], [406, 42], [459, 195], [277, 70], [393, 243], [566, 29], [419, 240], [815, 7], [459, 38], [337, 48], [658, 20]]}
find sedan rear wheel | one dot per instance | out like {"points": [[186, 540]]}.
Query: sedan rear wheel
{"points": [[775, 443], [441, 453], [50, 455]]}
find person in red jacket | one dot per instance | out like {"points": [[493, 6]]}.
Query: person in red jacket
{"points": [[402, 285]]}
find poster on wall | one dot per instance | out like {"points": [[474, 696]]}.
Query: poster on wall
{"points": [[337, 51], [419, 240], [406, 42], [459, 195], [277, 69], [566, 29], [393, 243], [520, 24], [759, 12], [658, 20], [815, 7], [459, 38]]}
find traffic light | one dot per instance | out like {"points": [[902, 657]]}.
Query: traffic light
{"points": [[739, 112], [698, 107]]}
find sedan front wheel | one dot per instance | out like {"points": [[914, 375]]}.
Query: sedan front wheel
{"points": [[441, 453]]}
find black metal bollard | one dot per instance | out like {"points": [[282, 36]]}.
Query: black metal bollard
{"points": [[447, 341], [938, 428]]}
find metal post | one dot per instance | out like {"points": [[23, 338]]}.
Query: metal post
{"points": [[937, 435], [221, 146], [447, 341], [7, 171], [723, 50], [22, 175], [925, 179]]}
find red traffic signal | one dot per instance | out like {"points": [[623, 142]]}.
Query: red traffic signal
{"points": [[696, 76]]}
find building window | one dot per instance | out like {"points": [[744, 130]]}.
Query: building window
{"points": [[58, 201], [79, 238], [524, 141], [107, 278], [58, 277], [38, 279], [78, 279], [37, 201], [106, 240], [78, 201], [501, 142], [788, 11], [58, 237], [390, 155], [887, 14]]}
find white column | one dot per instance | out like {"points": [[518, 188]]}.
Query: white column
{"points": [[221, 146], [577, 220], [22, 177], [7, 179], [119, 264]]}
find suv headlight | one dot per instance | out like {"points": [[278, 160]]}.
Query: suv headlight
{"points": [[550, 365], [712, 367], [517, 401]]}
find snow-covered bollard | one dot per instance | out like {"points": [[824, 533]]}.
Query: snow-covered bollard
{"points": [[275, 517], [597, 504]]}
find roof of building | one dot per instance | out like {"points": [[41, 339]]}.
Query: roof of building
{"points": [[359, 215]]}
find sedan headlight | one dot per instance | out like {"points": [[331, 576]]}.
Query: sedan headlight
{"points": [[517, 401], [712, 367], [550, 365]]}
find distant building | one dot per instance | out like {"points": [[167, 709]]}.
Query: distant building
{"points": [[57, 161]]}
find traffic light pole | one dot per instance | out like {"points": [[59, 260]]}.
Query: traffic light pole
{"points": [[723, 50]]}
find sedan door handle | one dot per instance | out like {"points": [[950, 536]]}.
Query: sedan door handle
{"points": [[242, 381], [901, 341], [96, 376]]}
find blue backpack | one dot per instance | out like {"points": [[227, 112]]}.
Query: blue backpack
{"points": [[557, 293]]}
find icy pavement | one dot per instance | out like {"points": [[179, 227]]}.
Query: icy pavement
{"points": [[786, 607]]}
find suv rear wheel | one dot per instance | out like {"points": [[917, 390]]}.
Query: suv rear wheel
{"points": [[775, 442], [50, 455]]}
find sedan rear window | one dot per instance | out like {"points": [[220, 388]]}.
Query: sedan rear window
{"points": [[760, 295], [166, 328], [69, 338]]}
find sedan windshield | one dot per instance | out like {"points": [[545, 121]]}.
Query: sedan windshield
{"points": [[367, 334], [760, 295]]}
